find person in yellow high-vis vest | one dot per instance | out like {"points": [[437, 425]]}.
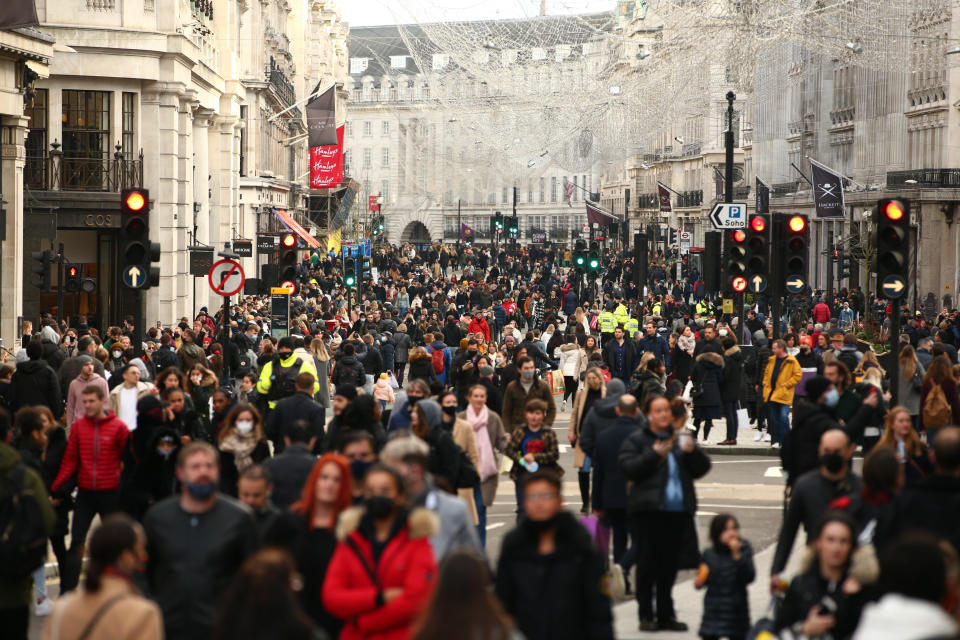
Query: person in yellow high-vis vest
{"points": [[621, 314], [608, 322]]}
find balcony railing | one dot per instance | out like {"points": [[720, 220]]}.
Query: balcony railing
{"points": [[278, 80], [783, 189], [924, 179], [56, 172], [690, 199]]}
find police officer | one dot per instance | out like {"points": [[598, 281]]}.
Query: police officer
{"points": [[621, 314], [632, 326], [608, 322], [277, 377]]}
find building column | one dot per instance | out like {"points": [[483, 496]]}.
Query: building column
{"points": [[183, 302], [13, 158]]}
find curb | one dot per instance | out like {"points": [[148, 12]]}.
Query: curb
{"points": [[742, 451]]}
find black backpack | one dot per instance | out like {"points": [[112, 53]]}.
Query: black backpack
{"points": [[23, 533], [283, 379], [349, 375]]}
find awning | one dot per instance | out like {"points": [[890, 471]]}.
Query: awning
{"points": [[295, 227]]}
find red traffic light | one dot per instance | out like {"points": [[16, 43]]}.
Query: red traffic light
{"points": [[738, 236], [797, 224], [758, 224], [893, 210], [72, 272], [135, 201], [289, 240], [739, 284]]}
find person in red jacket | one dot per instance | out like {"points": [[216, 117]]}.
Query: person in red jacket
{"points": [[821, 312], [479, 325], [381, 575], [94, 453]]}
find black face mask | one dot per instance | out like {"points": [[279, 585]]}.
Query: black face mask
{"points": [[832, 462], [450, 411], [413, 400], [379, 507], [539, 526]]}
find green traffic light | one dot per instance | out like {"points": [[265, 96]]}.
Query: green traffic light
{"points": [[579, 261], [594, 264], [350, 280]]}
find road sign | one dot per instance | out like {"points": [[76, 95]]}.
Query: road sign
{"points": [[685, 235], [226, 277], [728, 305], [684, 247], [757, 284], [795, 284], [739, 284], [729, 216], [279, 312], [134, 277], [893, 286], [372, 203]]}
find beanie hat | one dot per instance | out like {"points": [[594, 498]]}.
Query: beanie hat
{"points": [[346, 390], [816, 386]]}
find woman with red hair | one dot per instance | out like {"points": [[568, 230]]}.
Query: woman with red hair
{"points": [[307, 531]]}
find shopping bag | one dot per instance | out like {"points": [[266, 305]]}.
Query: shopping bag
{"points": [[743, 419], [557, 385], [392, 381], [686, 391], [599, 533], [506, 465]]}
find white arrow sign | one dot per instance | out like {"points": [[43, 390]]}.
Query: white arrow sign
{"points": [[729, 216]]}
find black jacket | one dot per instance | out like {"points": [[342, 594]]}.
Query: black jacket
{"points": [[230, 475], [810, 421], [348, 368], [193, 558], [811, 495], [708, 377], [150, 478], [726, 607], [600, 416], [35, 383], [809, 589], [932, 504], [494, 395], [556, 596], [732, 375], [299, 406], [288, 473], [609, 485], [648, 472], [372, 361]]}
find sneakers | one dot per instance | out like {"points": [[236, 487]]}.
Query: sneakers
{"points": [[43, 608], [618, 587], [563, 406], [766, 437], [758, 437]]}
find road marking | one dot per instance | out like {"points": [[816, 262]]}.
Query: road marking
{"points": [[740, 506], [753, 461], [773, 472], [496, 525], [706, 513], [563, 448]]}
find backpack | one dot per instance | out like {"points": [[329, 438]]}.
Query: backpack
{"points": [[23, 533], [936, 410], [283, 379], [437, 357], [348, 375]]}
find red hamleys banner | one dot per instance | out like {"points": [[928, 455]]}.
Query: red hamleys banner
{"points": [[326, 164]]}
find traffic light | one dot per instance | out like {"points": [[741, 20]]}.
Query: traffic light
{"points": [[513, 227], [365, 269], [42, 270], [893, 247], [845, 262], [496, 224], [580, 259], [593, 262], [378, 226], [672, 236], [71, 278], [735, 262], [350, 271], [758, 253], [793, 251], [137, 253], [288, 262]]}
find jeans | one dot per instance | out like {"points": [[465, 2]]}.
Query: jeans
{"points": [[779, 420], [40, 582], [730, 413], [89, 504], [481, 515], [658, 556]]}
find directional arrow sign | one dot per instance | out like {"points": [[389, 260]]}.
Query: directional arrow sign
{"points": [[133, 277], [795, 284], [757, 284], [893, 286], [729, 216]]}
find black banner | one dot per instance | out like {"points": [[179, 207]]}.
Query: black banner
{"points": [[322, 119], [265, 244], [201, 260], [243, 248], [827, 192], [18, 13], [763, 197]]}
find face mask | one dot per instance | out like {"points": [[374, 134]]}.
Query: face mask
{"points": [[379, 507], [200, 491], [450, 411], [196, 379], [539, 526], [832, 462], [244, 426], [832, 398], [527, 375], [117, 354], [358, 469], [164, 453], [723, 333]]}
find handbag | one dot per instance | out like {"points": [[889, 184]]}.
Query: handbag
{"points": [[686, 391], [743, 419], [392, 381], [599, 533]]}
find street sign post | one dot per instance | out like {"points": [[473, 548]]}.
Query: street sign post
{"points": [[279, 312], [757, 284], [226, 277], [894, 286], [795, 284], [731, 215], [685, 239]]}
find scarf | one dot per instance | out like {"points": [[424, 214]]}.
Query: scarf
{"points": [[241, 447], [687, 343], [487, 465]]}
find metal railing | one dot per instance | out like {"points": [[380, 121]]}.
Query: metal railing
{"points": [[924, 179], [57, 172], [690, 199]]}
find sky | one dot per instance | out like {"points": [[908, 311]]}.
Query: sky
{"points": [[360, 13]]}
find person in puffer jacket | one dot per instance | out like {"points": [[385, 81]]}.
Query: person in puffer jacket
{"points": [[94, 453]]}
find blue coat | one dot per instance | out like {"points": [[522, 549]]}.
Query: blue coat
{"points": [[609, 483], [657, 346], [570, 302]]}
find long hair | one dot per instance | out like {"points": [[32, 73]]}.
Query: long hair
{"points": [[308, 498], [912, 443], [939, 371], [462, 601], [164, 374], [230, 421], [261, 603], [319, 350], [117, 534], [908, 363]]}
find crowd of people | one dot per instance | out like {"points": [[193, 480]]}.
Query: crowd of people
{"points": [[335, 481]]}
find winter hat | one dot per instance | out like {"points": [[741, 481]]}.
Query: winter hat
{"points": [[346, 390], [384, 376], [616, 388], [816, 386], [431, 412], [34, 350]]}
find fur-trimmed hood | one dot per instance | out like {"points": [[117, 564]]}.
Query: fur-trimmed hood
{"points": [[710, 357], [864, 566], [423, 523], [732, 351]]}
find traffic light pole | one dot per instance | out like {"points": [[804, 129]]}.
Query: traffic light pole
{"points": [[895, 350], [60, 285], [738, 297]]}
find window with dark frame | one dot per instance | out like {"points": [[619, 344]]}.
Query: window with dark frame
{"points": [[86, 139], [35, 171], [129, 119]]}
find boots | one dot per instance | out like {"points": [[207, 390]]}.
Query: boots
{"points": [[584, 479]]}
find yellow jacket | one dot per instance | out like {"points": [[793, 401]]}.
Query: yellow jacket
{"points": [[266, 374], [608, 322], [621, 314], [787, 380]]}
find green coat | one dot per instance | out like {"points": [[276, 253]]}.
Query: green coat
{"points": [[14, 594]]}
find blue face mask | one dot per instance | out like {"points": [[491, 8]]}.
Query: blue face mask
{"points": [[200, 491], [358, 469], [831, 398]]}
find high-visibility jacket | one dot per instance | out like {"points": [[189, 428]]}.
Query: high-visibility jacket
{"points": [[621, 314], [632, 326], [608, 322], [657, 307], [267, 378], [701, 308]]}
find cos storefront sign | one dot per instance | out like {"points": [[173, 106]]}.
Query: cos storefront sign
{"points": [[88, 220]]}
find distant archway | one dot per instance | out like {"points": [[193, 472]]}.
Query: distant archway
{"points": [[415, 233]]}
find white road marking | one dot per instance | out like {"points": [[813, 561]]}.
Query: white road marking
{"points": [[496, 525], [740, 506], [706, 513], [753, 461], [563, 448], [773, 472]]}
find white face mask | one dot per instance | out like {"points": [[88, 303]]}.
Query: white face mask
{"points": [[117, 354], [195, 379], [244, 426], [723, 333]]}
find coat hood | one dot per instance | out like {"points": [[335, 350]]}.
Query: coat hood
{"points": [[709, 357], [9, 457], [423, 522], [432, 412], [732, 351], [32, 366], [570, 346], [49, 334]]}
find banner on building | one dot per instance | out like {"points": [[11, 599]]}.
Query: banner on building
{"points": [[322, 119], [17, 13], [334, 240], [827, 191], [763, 196], [466, 233], [597, 216], [663, 193], [326, 164], [568, 192], [718, 183], [538, 236]]}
